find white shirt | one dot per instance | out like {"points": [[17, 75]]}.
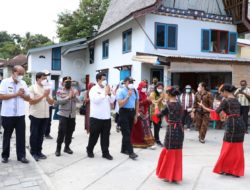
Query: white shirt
{"points": [[14, 106], [100, 107]]}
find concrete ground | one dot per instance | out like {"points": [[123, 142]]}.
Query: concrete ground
{"points": [[78, 172]]}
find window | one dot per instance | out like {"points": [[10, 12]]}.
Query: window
{"points": [[218, 41], [127, 41], [166, 36], [91, 55], [125, 73], [233, 42], [56, 59], [105, 49]]}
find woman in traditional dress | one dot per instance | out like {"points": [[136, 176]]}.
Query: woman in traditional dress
{"points": [[169, 165], [156, 98], [87, 104], [231, 159], [141, 136]]}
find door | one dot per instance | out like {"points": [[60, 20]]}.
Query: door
{"points": [[55, 80]]}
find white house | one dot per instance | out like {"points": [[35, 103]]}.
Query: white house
{"points": [[190, 41], [193, 41], [63, 59]]}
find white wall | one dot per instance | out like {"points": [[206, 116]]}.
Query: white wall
{"points": [[189, 35], [72, 64], [116, 56]]}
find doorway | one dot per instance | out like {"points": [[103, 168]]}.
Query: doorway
{"points": [[156, 73]]}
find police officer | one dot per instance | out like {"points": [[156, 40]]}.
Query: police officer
{"points": [[67, 98]]}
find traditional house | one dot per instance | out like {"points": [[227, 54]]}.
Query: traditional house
{"points": [[63, 59], [179, 42], [7, 65], [244, 48], [189, 41]]}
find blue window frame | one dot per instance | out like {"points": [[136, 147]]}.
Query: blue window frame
{"points": [[56, 59], [105, 49], [124, 74], [217, 41], [166, 36], [232, 42], [127, 41], [205, 40]]}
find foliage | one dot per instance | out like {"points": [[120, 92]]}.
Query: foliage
{"points": [[13, 44], [27, 79], [83, 22]]}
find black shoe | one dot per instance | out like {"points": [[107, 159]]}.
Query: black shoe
{"points": [[42, 156], [90, 154], [125, 152], [36, 158], [68, 150], [58, 150], [5, 160], [57, 153], [133, 156], [23, 160], [159, 143], [48, 137], [107, 156]]}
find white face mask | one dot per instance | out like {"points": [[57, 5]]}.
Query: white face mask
{"points": [[188, 90], [131, 86], [159, 90], [104, 83], [19, 78], [199, 89], [44, 82], [144, 89]]}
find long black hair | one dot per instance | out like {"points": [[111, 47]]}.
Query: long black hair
{"points": [[156, 86]]}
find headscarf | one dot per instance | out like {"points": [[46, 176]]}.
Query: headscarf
{"points": [[142, 95]]}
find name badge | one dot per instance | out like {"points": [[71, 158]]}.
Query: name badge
{"points": [[10, 90]]}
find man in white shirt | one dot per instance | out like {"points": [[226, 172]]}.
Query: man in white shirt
{"points": [[39, 114], [100, 116], [13, 92]]}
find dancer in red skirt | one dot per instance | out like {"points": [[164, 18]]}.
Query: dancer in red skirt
{"points": [[231, 159], [170, 161]]}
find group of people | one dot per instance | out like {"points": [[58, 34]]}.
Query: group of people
{"points": [[137, 109]]}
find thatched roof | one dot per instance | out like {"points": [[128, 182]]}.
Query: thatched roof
{"points": [[120, 9]]}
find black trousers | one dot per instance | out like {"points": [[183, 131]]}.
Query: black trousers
{"points": [[186, 119], [157, 127], [9, 124], [65, 130], [244, 114], [37, 127], [48, 125], [126, 122], [99, 127]]}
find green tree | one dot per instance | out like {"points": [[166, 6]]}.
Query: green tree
{"points": [[82, 22], [34, 41]]}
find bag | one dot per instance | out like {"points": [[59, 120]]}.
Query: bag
{"points": [[82, 110]]}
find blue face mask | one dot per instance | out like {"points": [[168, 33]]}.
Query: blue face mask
{"points": [[188, 90]]}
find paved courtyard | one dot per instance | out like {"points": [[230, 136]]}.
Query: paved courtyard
{"points": [[78, 172]]}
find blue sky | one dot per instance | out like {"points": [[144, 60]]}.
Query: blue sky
{"points": [[35, 16]]}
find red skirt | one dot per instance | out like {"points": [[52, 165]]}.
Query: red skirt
{"points": [[170, 165], [231, 160]]}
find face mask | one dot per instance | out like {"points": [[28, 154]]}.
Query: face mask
{"points": [[44, 82], [104, 83], [131, 86], [188, 90], [199, 89], [159, 90], [68, 85], [19, 78], [144, 89]]}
